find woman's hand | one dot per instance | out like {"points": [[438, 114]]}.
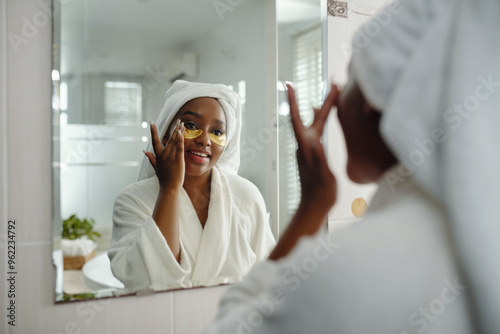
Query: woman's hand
{"points": [[319, 188], [168, 161], [318, 185]]}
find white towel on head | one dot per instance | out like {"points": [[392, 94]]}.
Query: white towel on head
{"points": [[434, 72], [182, 92]]}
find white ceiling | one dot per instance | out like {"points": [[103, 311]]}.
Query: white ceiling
{"points": [[288, 11], [93, 32]]}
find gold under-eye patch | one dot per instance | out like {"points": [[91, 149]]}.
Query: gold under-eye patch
{"points": [[219, 140], [190, 134]]}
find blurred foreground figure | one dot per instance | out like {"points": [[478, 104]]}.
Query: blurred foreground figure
{"points": [[420, 115]]}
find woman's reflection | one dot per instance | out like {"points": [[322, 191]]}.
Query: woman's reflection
{"points": [[190, 220]]}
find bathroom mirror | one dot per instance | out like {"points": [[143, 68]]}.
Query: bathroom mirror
{"points": [[114, 60]]}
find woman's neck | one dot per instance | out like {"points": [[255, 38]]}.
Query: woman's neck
{"points": [[198, 190], [199, 182]]}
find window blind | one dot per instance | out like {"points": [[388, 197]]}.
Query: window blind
{"points": [[307, 75]]}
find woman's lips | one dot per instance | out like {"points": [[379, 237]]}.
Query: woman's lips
{"points": [[198, 157]]}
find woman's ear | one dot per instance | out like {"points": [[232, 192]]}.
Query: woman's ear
{"points": [[367, 109]]}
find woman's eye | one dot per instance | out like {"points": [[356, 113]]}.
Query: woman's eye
{"points": [[218, 133], [190, 126]]}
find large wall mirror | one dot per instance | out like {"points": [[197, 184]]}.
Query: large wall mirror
{"points": [[114, 60]]}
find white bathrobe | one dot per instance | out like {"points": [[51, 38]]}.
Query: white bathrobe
{"points": [[432, 68], [391, 273], [434, 72], [235, 236]]}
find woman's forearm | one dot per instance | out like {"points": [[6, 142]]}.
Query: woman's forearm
{"points": [[166, 216], [307, 221]]}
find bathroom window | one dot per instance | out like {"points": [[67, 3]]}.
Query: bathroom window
{"points": [[307, 76], [242, 93], [122, 103]]}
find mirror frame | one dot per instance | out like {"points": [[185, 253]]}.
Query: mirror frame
{"points": [[271, 105]]}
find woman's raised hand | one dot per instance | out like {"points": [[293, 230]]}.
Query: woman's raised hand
{"points": [[318, 184], [168, 161], [319, 188]]}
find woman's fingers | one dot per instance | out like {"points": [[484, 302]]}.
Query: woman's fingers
{"points": [[298, 126], [302, 134], [152, 159], [317, 181], [180, 148], [321, 115], [155, 141], [175, 146], [169, 151], [168, 162], [320, 161], [175, 139]]}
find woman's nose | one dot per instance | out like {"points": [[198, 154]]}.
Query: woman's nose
{"points": [[204, 139]]}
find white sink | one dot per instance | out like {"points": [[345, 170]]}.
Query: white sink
{"points": [[97, 274]]}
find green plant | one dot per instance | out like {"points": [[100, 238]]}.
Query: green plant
{"points": [[75, 228], [79, 296]]}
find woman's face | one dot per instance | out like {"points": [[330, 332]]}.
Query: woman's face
{"points": [[201, 153], [368, 155]]}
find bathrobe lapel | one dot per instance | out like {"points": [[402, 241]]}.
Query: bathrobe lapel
{"points": [[190, 229], [214, 242]]}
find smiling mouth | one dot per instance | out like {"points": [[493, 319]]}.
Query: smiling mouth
{"points": [[199, 154]]}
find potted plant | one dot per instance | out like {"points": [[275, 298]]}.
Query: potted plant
{"points": [[78, 241]]}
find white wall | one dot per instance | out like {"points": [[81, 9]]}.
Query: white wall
{"points": [[340, 34], [25, 169]]}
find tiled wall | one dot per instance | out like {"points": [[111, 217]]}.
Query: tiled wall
{"points": [[344, 19], [25, 169]]}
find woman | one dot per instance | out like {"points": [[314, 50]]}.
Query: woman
{"points": [[190, 220], [419, 116]]}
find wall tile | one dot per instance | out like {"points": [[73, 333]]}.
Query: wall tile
{"points": [[29, 118], [37, 313], [4, 328], [196, 308]]}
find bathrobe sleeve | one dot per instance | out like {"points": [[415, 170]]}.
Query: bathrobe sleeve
{"points": [[139, 254]]}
